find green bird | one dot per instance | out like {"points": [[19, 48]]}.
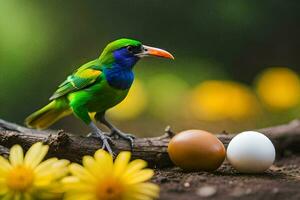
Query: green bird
{"points": [[96, 87]]}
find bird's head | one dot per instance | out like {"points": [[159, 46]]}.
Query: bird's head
{"points": [[127, 52]]}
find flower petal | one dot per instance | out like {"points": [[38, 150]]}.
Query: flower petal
{"points": [[142, 191], [141, 176], [73, 183], [35, 154], [121, 163], [61, 167], [79, 196], [92, 166], [49, 171], [4, 165], [70, 179], [80, 172], [104, 160], [136, 196], [16, 155], [149, 189], [44, 166], [134, 167]]}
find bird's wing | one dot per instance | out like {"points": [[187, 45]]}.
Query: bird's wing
{"points": [[81, 78]]}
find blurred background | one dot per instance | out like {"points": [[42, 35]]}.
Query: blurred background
{"points": [[236, 67]]}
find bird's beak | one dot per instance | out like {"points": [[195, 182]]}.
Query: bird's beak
{"points": [[152, 51]]}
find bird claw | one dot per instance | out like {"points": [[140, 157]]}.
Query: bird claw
{"points": [[119, 134], [105, 141], [105, 145]]}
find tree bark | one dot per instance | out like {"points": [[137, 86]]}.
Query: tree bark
{"points": [[153, 150]]}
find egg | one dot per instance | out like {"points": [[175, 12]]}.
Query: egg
{"points": [[251, 152], [196, 150]]}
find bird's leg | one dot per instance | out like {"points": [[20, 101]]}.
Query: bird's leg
{"points": [[81, 112], [116, 132], [97, 133]]}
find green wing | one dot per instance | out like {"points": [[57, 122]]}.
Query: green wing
{"points": [[81, 78]]}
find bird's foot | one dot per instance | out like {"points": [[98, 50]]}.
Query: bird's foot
{"points": [[105, 141], [115, 133]]}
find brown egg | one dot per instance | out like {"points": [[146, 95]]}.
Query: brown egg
{"points": [[196, 150]]}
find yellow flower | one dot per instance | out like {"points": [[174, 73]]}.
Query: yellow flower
{"points": [[221, 100], [279, 88], [102, 179], [26, 177]]}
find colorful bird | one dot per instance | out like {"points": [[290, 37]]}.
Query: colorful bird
{"points": [[95, 87]]}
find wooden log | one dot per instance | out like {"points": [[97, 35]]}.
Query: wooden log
{"points": [[153, 150]]}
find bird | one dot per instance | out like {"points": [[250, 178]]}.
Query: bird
{"points": [[95, 87]]}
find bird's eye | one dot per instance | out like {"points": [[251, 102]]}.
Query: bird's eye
{"points": [[130, 49]]}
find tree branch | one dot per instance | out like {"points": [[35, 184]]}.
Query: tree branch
{"points": [[153, 150]]}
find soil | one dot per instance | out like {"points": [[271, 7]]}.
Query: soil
{"points": [[281, 181]]}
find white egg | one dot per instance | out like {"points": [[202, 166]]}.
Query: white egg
{"points": [[251, 152]]}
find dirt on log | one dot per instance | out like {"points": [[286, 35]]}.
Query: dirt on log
{"points": [[154, 150]]}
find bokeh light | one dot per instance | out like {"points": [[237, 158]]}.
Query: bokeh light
{"points": [[220, 100], [133, 105], [278, 88], [167, 96]]}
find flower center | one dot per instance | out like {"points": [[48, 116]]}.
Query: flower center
{"points": [[20, 178], [109, 190]]}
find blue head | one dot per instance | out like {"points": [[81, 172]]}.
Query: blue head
{"points": [[127, 52], [125, 57], [121, 55]]}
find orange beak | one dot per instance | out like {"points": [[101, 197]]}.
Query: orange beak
{"points": [[152, 51]]}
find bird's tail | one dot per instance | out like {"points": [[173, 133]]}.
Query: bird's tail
{"points": [[49, 114]]}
